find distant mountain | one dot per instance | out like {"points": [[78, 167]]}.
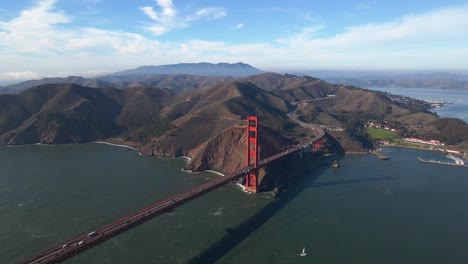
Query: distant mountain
{"points": [[203, 69], [93, 82], [178, 77]]}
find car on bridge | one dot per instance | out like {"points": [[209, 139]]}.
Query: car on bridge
{"points": [[92, 234]]}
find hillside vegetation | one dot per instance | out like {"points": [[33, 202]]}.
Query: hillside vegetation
{"points": [[207, 123]]}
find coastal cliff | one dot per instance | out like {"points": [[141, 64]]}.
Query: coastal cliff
{"points": [[224, 152]]}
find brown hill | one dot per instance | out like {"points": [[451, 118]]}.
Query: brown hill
{"points": [[205, 123], [92, 82], [273, 81], [202, 119], [233, 100], [225, 152], [68, 113], [335, 102], [182, 81], [199, 123]]}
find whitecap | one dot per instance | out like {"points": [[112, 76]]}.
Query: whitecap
{"points": [[186, 158], [215, 172], [113, 144], [243, 188]]}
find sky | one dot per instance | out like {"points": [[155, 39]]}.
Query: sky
{"points": [[51, 38]]}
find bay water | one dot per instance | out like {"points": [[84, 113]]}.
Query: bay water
{"points": [[365, 211]]}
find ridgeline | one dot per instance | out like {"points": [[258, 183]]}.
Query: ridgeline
{"points": [[206, 123]]}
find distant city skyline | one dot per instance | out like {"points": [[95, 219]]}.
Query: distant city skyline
{"points": [[91, 37]]}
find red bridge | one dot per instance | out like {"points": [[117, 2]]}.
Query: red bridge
{"points": [[84, 242]]}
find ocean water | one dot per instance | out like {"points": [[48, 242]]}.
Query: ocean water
{"points": [[457, 99], [365, 211]]}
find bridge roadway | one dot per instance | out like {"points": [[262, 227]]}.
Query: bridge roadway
{"points": [[86, 241]]}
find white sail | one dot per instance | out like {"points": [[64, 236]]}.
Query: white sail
{"points": [[303, 253]]}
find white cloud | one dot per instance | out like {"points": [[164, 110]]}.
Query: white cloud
{"points": [[149, 11], [40, 42], [238, 26], [167, 13], [13, 76], [440, 26], [36, 31], [33, 25], [300, 38], [165, 19], [38, 39], [168, 18], [122, 43], [213, 12]]}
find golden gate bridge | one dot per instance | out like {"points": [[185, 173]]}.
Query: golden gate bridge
{"points": [[83, 242]]}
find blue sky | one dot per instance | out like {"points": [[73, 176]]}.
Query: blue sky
{"points": [[87, 37]]}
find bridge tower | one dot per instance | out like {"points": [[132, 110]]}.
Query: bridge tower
{"points": [[317, 145], [251, 179]]}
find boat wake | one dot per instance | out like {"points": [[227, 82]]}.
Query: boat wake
{"points": [[218, 212], [41, 236]]}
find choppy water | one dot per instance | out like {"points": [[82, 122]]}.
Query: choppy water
{"points": [[366, 211], [458, 99]]}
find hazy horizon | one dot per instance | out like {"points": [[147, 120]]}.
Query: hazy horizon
{"points": [[280, 71]]}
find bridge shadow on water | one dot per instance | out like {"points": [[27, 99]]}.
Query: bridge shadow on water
{"points": [[236, 235]]}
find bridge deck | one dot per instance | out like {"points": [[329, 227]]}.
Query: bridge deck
{"points": [[84, 242]]}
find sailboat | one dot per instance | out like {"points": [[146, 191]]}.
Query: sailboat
{"points": [[303, 253]]}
